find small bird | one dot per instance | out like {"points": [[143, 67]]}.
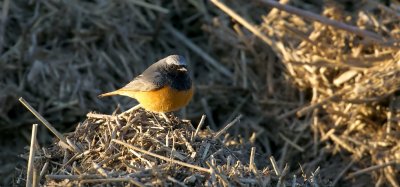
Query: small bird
{"points": [[165, 86]]}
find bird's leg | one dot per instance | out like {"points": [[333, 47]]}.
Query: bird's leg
{"points": [[130, 110], [165, 117]]}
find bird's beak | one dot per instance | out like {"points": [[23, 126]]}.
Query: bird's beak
{"points": [[182, 69]]}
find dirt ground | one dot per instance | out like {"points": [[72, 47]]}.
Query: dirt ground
{"points": [[316, 84]]}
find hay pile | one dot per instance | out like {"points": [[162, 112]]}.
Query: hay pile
{"points": [[319, 92], [354, 78], [142, 149], [347, 60]]}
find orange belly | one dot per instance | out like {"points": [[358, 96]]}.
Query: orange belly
{"points": [[165, 99]]}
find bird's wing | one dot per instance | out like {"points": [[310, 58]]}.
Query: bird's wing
{"points": [[140, 83], [149, 80]]}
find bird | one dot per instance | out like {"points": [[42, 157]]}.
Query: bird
{"points": [[164, 86]]}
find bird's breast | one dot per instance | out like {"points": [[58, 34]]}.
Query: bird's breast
{"points": [[166, 99]]}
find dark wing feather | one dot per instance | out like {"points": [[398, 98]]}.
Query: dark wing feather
{"points": [[151, 79]]}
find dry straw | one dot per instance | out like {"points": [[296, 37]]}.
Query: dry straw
{"points": [[31, 168], [351, 67], [317, 82], [134, 149]]}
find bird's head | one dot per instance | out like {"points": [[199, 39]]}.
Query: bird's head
{"points": [[176, 61]]}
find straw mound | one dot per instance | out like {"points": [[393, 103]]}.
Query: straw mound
{"points": [[349, 68], [116, 151], [353, 82]]}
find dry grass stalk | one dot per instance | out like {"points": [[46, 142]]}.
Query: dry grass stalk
{"points": [[3, 19], [275, 166], [227, 126], [198, 50], [371, 168], [293, 144], [31, 168], [162, 157], [150, 6], [69, 145], [340, 175], [199, 126], [242, 21]]}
